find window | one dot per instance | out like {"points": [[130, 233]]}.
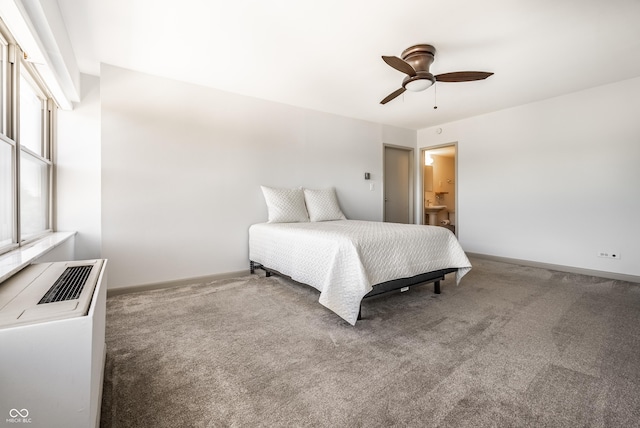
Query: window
{"points": [[4, 48], [6, 194], [34, 166], [7, 155], [26, 112], [34, 196], [31, 108]]}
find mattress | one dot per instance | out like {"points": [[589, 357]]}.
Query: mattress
{"points": [[344, 259]]}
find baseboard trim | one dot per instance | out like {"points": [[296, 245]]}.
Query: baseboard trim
{"points": [[175, 283], [561, 268], [203, 279]]}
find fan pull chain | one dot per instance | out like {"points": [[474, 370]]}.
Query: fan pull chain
{"points": [[435, 96]]}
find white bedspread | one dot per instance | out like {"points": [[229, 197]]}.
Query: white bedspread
{"points": [[343, 259]]}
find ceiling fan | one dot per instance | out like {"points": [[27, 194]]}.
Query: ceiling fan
{"points": [[415, 63]]}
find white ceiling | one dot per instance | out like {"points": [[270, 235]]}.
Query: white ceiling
{"points": [[325, 54]]}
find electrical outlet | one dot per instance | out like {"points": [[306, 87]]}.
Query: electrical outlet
{"points": [[609, 254]]}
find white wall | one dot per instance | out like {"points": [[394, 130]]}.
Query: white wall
{"points": [[78, 170], [182, 167], [553, 181]]}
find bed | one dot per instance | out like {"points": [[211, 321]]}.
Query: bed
{"points": [[348, 260]]}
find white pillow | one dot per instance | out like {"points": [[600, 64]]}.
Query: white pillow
{"points": [[285, 205], [322, 205]]}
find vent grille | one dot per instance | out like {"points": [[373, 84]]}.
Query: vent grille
{"points": [[68, 286]]}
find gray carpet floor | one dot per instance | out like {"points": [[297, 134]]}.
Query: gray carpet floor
{"points": [[511, 346]]}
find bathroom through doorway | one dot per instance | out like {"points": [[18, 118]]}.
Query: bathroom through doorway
{"points": [[439, 186]]}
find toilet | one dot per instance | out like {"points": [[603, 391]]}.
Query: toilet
{"points": [[452, 218], [451, 215]]}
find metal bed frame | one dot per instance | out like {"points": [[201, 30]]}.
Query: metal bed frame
{"points": [[384, 287]]}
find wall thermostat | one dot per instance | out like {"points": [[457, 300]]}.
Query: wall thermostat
{"points": [[367, 176]]}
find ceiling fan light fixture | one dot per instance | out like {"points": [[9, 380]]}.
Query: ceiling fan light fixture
{"points": [[418, 83]]}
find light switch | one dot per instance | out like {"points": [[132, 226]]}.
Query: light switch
{"points": [[371, 186]]}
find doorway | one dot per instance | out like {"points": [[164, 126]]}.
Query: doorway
{"points": [[440, 185], [398, 184]]}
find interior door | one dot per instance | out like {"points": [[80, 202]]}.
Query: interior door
{"points": [[397, 185]]}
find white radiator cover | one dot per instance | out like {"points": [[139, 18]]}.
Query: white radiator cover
{"points": [[51, 355]]}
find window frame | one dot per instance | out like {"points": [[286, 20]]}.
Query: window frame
{"points": [[14, 196], [4, 84], [13, 66]]}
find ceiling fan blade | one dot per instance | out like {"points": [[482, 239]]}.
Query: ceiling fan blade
{"points": [[462, 76], [399, 65], [392, 95]]}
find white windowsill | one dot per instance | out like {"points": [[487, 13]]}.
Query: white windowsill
{"points": [[21, 257]]}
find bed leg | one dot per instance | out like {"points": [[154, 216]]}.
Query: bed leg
{"points": [[253, 266], [436, 287]]}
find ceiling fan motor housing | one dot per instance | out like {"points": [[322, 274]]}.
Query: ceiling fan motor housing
{"points": [[420, 57]]}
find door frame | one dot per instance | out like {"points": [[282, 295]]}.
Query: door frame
{"points": [[421, 186], [412, 178]]}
